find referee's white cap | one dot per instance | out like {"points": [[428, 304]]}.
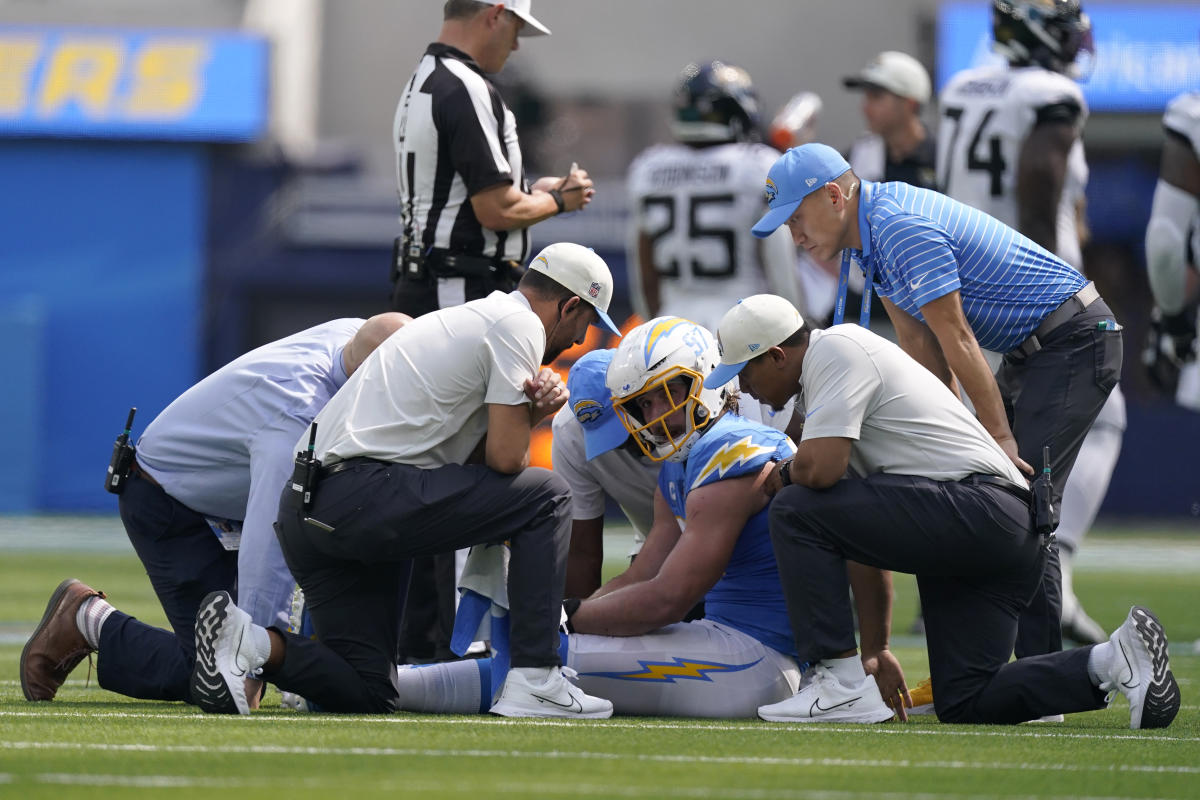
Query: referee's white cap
{"points": [[753, 326], [521, 9], [579, 269]]}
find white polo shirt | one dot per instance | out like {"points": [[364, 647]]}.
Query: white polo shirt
{"points": [[628, 479], [421, 398], [903, 420]]}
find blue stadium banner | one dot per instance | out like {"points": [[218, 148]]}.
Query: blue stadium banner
{"points": [[1145, 53], [119, 84]]}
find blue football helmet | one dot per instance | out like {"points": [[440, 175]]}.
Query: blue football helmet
{"points": [[715, 102]]}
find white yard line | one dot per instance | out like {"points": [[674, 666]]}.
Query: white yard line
{"points": [[625, 724], [586, 755], [519, 788]]}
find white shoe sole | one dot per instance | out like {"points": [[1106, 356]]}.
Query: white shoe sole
{"points": [[503, 709], [858, 719], [1154, 701], [210, 688]]}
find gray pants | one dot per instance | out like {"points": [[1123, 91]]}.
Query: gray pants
{"points": [[1052, 398], [355, 577]]}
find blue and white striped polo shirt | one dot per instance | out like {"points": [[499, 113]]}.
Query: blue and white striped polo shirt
{"points": [[923, 245]]}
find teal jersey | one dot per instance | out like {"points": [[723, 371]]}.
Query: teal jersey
{"points": [[748, 597]]}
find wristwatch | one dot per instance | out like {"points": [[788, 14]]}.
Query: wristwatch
{"points": [[785, 472]]}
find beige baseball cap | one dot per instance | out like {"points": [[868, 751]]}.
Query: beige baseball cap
{"points": [[521, 9], [898, 73], [756, 324], [579, 269]]}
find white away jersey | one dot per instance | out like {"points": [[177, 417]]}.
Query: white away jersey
{"points": [[986, 115], [1182, 117], [698, 205]]}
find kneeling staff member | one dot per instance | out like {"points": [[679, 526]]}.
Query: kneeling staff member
{"points": [[395, 483], [929, 493]]}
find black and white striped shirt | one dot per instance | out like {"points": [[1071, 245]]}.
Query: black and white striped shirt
{"points": [[454, 136]]}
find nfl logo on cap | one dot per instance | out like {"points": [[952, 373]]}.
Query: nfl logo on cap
{"points": [[594, 290]]}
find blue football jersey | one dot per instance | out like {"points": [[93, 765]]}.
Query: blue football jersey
{"points": [[748, 597]]}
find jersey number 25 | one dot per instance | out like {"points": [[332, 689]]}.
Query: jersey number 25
{"points": [[705, 261]]}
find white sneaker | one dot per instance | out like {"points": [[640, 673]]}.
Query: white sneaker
{"points": [[554, 696], [825, 699], [1139, 669], [224, 657]]}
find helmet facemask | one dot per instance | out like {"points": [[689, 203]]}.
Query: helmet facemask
{"points": [[653, 434]]}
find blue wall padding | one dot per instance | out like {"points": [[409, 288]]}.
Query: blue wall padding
{"points": [[109, 239]]}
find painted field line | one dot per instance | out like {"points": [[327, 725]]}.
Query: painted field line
{"points": [[521, 789], [766, 727], [593, 755]]}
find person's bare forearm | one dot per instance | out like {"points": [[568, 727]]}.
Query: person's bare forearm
{"points": [[629, 610], [972, 370], [873, 598]]}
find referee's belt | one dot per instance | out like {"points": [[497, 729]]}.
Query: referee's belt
{"points": [[1069, 308], [448, 264], [981, 479]]}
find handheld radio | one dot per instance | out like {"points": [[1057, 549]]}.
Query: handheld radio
{"points": [[121, 463], [304, 473], [1045, 515]]}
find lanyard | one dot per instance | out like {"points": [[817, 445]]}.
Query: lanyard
{"points": [[839, 309], [864, 314]]}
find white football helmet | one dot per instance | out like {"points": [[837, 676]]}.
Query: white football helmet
{"points": [[657, 380]]}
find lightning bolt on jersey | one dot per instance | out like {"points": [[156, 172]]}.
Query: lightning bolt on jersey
{"points": [[987, 114], [697, 206], [748, 597]]}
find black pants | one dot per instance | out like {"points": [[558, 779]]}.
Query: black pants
{"points": [[417, 297], [355, 576], [1052, 398], [977, 563], [184, 561]]}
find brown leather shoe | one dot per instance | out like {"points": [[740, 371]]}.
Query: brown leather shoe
{"points": [[56, 646]]}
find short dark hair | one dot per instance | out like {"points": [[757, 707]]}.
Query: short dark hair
{"points": [[461, 9], [545, 287], [799, 337]]}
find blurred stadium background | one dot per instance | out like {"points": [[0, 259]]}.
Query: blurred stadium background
{"points": [[186, 179]]}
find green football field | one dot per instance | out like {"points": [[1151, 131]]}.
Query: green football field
{"points": [[91, 743]]}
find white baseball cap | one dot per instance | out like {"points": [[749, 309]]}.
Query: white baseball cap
{"points": [[749, 329], [579, 269], [521, 9], [898, 73]]}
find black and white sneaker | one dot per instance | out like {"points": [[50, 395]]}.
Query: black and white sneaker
{"points": [[223, 656], [1140, 670]]}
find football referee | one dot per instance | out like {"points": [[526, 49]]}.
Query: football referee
{"points": [[466, 210], [465, 206]]}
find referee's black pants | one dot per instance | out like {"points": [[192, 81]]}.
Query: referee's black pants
{"points": [[1052, 398], [355, 577], [977, 563]]}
